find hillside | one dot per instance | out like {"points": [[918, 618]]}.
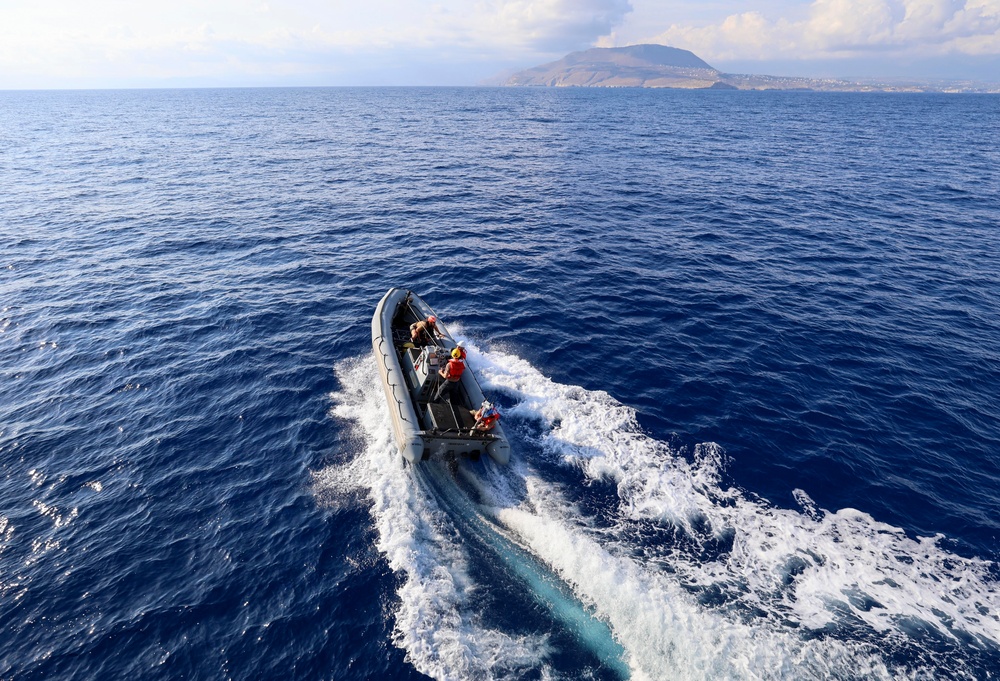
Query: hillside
{"points": [[633, 66], [659, 66]]}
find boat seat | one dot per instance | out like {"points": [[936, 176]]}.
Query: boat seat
{"points": [[443, 416], [449, 417]]}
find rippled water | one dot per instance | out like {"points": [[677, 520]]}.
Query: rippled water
{"points": [[746, 344]]}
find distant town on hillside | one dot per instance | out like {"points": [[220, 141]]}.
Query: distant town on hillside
{"points": [[659, 66]]}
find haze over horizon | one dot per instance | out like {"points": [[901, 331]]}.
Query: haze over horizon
{"points": [[52, 44]]}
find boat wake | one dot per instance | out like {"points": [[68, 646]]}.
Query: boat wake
{"points": [[673, 575]]}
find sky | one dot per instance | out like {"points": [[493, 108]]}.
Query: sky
{"points": [[47, 44]]}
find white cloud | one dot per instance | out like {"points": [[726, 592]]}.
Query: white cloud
{"points": [[190, 38], [60, 43], [554, 25], [847, 28]]}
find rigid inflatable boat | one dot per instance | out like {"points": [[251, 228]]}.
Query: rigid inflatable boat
{"points": [[422, 426]]}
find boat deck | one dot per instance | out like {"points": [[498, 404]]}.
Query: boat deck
{"points": [[449, 420], [424, 427], [447, 417]]}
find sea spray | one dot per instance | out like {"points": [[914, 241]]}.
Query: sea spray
{"points": [[435, 621], [826, 572], [545, 588], [662, 629]]}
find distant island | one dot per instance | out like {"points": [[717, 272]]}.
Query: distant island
{"points": [[659, 66]]}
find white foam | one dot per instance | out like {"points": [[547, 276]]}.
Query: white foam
{"points": [[809, 566], [666, 633], [436, 622], [593, 430]]}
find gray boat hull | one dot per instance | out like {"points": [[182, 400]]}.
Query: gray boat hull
{"points": [[422, 427]]}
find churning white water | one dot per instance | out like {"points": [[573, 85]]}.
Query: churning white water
{"points": [[790, 578]]}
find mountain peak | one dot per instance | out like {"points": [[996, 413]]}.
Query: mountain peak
{"points": [[633, 66], [647, 54]]}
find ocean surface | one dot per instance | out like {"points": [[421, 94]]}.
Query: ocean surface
{"points": [[746, 346]]}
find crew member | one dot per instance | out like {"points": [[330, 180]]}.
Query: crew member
{"points": [[450, 375], [486, 416], [424, 331]]}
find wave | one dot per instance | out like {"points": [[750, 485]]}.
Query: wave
{"points": [[437, 623], [692, 579]]}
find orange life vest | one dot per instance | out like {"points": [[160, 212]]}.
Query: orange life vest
{"points": [[454, 369]]}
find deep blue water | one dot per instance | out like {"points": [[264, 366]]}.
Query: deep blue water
{"points": [[747, 346]]}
